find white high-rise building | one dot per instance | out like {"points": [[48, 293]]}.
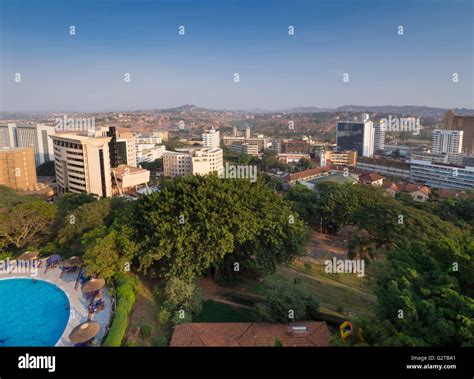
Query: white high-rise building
{"points": [[211, 139], [368, 146], [447, 141], [379, 137]]}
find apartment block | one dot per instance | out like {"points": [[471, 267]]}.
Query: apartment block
{"points": [[447, 141], [17, 168]]}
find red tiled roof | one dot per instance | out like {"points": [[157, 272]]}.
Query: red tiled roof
{"points": [[307, 173], [372, 177], [250, 334]]}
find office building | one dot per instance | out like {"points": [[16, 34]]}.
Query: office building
{"points": [[464, 123], [34, 135], [122, 147], [17, 168], [194, 161], [345, 158], [379, 137], [358, 136], [441, 175], [211, 139], [244, 148], [149, 153], [82, 164], [447, 141]]}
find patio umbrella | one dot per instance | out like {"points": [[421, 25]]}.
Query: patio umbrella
{"points": [[53, 259], [93, 285], [84, 332], [73, 262], [28, 255]]}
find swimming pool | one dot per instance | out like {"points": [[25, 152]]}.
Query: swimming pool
{"points": [[32, 313]]}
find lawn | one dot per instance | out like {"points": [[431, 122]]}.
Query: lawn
{"points": [[339, 295], [213, 311]]}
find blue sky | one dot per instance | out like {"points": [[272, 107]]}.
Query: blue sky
{"points": [[250, 37]]}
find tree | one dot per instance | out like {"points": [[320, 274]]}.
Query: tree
{"points": [[108, 253], [27, 223], [196, 221], [422, 299], [182, 295], [287, 301]]}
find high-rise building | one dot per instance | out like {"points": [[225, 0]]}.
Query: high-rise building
{"points": [[82, 164], [17, 167], [35, 136], [447, 141], [358, 136], [211, 139], [464, 123], [379, 137], [122, 147]]}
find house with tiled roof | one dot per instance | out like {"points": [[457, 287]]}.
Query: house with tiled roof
{"points": [[253, 334], [418, 192], [373, 179]]}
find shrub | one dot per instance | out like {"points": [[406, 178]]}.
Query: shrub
{"points": [[161, 341], [146, 331], [164, 316], [125, 290]]}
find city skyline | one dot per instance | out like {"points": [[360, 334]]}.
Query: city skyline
{"points": [[278, 71]]}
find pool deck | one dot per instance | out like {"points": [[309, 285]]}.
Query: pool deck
{"points": [[77, 301]]}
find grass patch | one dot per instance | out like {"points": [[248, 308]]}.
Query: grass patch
{"points": [[213, 311]]}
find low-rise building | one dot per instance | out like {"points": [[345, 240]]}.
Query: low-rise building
{"points": [[386, 167], [292, 158], [193, 161], [244, 334], [372, 179]]}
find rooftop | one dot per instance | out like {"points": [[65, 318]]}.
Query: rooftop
{"points": [[305, 333]]}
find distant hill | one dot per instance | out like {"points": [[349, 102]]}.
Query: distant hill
{"points": [[404, 109]]}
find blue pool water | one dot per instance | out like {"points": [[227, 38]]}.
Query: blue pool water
{"points": [[32, 313]]}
